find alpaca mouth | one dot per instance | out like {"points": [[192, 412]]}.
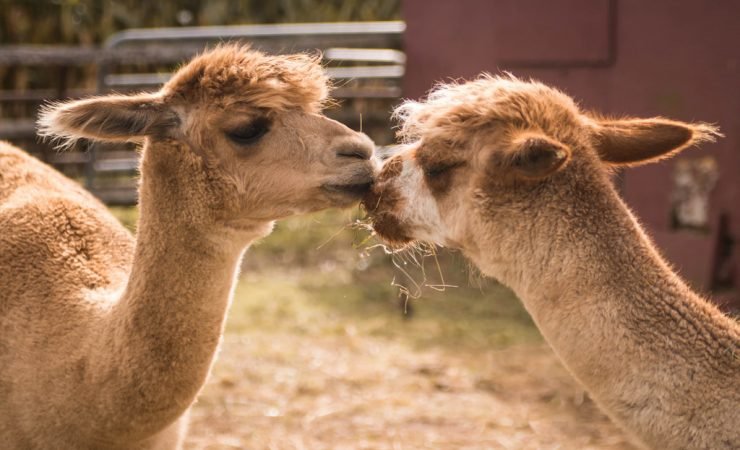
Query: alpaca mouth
{"points": [[380, 202], [391, 230]]}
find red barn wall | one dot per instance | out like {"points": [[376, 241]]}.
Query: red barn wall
{"points": [[674, 58]]}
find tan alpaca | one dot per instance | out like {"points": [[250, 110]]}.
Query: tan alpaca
{"points": [[514, 175], [105, 341]]}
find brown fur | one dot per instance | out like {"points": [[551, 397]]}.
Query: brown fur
{"points": [[105, 341], [530, 202]]}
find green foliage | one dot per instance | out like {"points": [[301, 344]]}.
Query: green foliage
{"points": [[92, 21]]}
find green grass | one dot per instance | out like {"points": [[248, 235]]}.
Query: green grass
{"points": [[312, 302]]}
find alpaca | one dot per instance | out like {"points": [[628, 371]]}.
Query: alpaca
{"points": [[514, 175], [105, 341]]}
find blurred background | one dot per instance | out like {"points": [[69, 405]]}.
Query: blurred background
{"points": [[331, 343]]}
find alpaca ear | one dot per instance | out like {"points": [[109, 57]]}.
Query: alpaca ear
{"points": [[536, 157], [109, 118], [640, 141]]}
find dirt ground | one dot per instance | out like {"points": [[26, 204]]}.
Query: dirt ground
{"points": [[294, 373], [353, 392]]}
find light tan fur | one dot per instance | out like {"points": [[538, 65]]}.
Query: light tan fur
{"points": [[106, 340], [517, 177]]}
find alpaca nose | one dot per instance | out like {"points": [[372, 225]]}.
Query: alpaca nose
{"points": [[359, 147]]}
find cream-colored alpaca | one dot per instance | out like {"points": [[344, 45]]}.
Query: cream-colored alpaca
{"points": [[106, 341], [514, 175]]}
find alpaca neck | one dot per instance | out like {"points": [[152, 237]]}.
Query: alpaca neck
{"points": [[165, 329], [649, 350]]}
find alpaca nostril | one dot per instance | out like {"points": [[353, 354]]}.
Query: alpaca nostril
{"points": [[355, 153]]}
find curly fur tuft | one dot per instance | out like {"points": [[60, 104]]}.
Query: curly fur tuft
{"points": [[233, 73], [454, 110]]}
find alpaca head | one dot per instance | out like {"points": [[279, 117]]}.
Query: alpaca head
{"points": [[239, 134], [480, 159]]}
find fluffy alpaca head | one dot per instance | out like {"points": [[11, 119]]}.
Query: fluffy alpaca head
{"points": [[248, 125], [478, 151]]}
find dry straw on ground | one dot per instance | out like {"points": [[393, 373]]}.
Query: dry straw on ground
{"points": [[359, 392]]}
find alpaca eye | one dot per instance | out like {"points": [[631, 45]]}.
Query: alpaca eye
{"points": [[250, 133]]}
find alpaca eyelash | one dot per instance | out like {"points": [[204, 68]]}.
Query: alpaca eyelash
{"points": [[250, 133]]}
